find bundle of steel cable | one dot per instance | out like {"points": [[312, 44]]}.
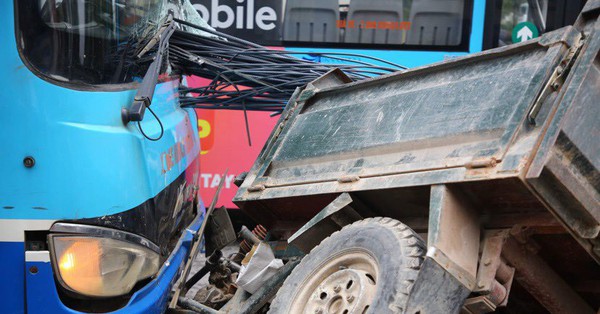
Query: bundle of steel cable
{"points": [[247, 76]]}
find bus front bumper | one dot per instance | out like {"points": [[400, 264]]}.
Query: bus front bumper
{"points": [[42, 294]]}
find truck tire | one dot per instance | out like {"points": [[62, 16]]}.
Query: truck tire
{"points": [[367, 267]]}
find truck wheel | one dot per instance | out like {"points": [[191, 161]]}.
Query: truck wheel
{"points": [[367, 267]]}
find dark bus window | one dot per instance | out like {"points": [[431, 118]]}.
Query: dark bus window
{"points": [[84, 42], [515, 12], [395, 24], [504, 18]]}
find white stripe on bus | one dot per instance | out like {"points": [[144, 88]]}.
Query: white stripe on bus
{"points": [[13, 230], [37, 256]]}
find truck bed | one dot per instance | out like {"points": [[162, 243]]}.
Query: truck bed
{"points": [[515, 127]]}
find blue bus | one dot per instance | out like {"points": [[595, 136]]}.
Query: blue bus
{"points": [[408, 32], [95, 215]]}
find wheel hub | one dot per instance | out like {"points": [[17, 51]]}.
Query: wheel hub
{"points": [[346, 291]]}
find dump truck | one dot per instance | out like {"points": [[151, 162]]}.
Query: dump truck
{"points": [[467, 185]]}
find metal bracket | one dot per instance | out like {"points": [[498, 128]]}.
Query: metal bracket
{"points": [[459, 273], [257, 188], [448, 273], [557, 78], [493, 240], [348, 179], [453, 235], [343, 210], [478, 305], [482, 163], [494, 277]]}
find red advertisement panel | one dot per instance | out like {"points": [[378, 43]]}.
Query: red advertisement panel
{"points": [[225, 146]]}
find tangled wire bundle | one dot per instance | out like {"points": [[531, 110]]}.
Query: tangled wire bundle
{"points": [[247, 76]]}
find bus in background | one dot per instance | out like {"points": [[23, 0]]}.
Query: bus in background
{"points": [[407, 32]]}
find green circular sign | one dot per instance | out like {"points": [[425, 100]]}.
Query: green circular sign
{"points": [[524, 31]]}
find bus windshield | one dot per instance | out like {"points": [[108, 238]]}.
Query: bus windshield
{"points": [[85, 42], [382, 24]]}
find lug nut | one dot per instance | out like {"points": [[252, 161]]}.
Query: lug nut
{"points": [[318, 311], [350, 298], [337, 289]]}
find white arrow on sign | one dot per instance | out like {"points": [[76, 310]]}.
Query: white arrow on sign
{"points": [[524, 34]]}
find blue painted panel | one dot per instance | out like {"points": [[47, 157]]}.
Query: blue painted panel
{"points": [[88, 163], [12, 288], [476, 43]]}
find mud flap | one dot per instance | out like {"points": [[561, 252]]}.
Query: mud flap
{"points": [[436, 291]]}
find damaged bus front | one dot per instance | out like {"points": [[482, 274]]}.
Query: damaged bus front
{"points": [[96, 213]]}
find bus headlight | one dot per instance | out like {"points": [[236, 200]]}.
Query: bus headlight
{"points": [[100, 267]]}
